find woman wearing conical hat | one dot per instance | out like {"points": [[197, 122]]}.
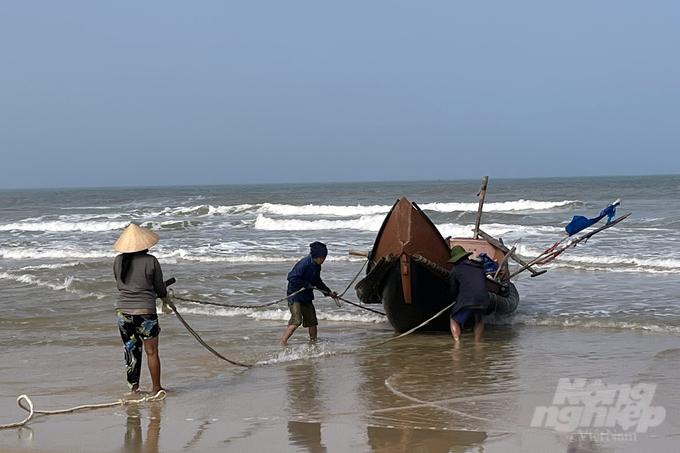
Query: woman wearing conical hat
{"points": [[140, 281]]}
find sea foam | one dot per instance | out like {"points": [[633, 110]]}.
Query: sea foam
{"points": [[365, 223], [60, 226]]}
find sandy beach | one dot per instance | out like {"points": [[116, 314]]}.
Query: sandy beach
{"points": [[413, 394], [604, 313], [239, 134]]}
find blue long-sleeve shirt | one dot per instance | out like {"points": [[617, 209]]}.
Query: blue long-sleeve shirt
{"points": [[305, 272], [468, 286]]}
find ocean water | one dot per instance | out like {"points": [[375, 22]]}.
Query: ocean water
{"points": [[235, 245]]}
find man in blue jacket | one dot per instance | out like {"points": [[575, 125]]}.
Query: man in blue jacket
{"points": [[468, 288], [306, 274]]}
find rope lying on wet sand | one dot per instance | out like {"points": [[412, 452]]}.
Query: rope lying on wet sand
{"points": [[434, 404], [162, 394], [121, 402], [415, 328], [171, 305], [198, 338], [335, 297]]}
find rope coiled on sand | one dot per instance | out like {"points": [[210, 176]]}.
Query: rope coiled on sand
{"points": [[24, 402], [121, 402]]}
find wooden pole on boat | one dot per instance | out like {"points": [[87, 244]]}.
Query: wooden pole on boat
{"points": [[534, 261], [511, 252], [496, 243], [358, 252], [552, 253], [481, 194]]}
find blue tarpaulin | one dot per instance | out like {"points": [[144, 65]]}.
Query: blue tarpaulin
{"points": [[490, 266], [579, 222]]}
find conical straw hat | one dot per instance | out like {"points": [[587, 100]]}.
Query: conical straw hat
{"points": [[135, 239]]}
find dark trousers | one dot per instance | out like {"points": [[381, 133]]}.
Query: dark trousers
{"points": [[134, 329]]}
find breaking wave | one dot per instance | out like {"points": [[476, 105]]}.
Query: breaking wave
{"points": [[60, 226], [67, 285], [365, 223], [457, 230], [599, 323], [503, 206], [340, 211], [30, 253], [574, 258], [281, 314], [205, 210]]}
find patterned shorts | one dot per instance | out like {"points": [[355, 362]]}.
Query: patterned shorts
{"points": [[143, 327], [134, 329]]}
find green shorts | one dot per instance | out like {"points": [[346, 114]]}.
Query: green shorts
{"points": [[304, 314]]}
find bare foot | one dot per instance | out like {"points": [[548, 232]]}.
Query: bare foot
{"points": [[135, 390]]}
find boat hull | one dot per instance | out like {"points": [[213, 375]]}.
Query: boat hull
{"points": [[429, 295], [408, 272]]}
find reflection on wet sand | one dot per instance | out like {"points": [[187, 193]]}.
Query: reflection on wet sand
{"points": [[427, 394], [306, 434], [133, 441], [406, 440], [303, 394], [578, 444]]}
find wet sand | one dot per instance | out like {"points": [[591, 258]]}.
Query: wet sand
{"points": [[419, 393]]}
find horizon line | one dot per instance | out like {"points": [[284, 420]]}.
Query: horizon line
{"points": [[160, 186]]}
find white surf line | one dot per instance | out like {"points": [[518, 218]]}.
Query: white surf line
{"points": [[29, 279]]}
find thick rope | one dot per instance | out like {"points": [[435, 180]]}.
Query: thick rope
{"points": [[30, 413], [171, 304], [339, 297], [184, 299], [121, 402], [355, 277], [430, 404], [414, 329], [361, 306]]}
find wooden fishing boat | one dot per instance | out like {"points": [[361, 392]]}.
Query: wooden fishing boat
{"points": [[408, 270]]}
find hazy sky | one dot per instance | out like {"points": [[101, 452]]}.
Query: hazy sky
{"points": [[219, 92]]}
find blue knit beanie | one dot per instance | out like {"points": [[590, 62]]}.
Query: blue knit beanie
{"points": [[318, 250]]}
